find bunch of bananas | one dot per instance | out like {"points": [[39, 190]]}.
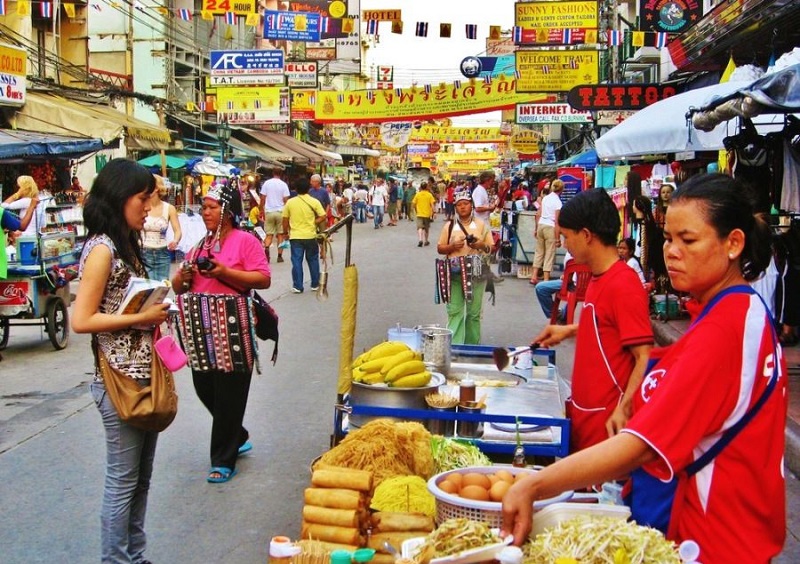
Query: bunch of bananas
{"points": [[392, 363]]}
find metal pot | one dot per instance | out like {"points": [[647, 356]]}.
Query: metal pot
{"points": [[436, 345], [383, 396]]}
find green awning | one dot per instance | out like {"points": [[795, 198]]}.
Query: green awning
{"points": [[155, 160]]}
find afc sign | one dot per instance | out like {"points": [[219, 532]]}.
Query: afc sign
{"points": [[594, 97]]}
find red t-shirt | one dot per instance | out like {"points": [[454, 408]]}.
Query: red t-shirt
{"points": [[735, 506], [615, 315]]}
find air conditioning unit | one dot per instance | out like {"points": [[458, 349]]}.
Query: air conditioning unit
{"points": [[646, 55]]}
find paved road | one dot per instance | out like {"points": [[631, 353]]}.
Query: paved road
{"points": [[51, 443]]}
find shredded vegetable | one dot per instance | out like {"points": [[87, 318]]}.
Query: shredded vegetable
{"points": [[457, 535], [602, 541], [449, 454]]}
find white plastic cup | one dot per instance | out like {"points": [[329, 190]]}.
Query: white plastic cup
{"points": [[689, 551]]}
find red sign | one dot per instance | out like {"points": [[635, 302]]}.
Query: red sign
{"points": [[594, 97], [383, 85], [528, 36], [14, 293]]}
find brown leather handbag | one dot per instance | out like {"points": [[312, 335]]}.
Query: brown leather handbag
{"points": [[152, 407]]}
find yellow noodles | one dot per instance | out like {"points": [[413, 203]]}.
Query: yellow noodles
{"points": [[404, 494]]}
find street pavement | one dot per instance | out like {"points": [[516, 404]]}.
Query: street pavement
{"points": [[51, 437]]}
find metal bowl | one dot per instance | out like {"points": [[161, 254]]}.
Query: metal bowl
{"points": [[380, 395]]}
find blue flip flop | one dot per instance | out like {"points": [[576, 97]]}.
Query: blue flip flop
{"points": [[225, 475], [245, 448]]}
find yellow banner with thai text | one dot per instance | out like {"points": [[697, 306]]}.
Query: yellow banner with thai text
{"points": [[402, 104], [471, 156], [562, 15], [429, 133], [556, 71]]}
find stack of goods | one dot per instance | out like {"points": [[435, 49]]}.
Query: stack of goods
{"points": [[393, 363], [386, 448], [394, 528], [336, 507]]}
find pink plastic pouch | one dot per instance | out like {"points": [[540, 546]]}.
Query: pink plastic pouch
{"points": [[170, 353]]}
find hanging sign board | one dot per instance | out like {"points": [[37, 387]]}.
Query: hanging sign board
{"points": [[301, 74], [561, 15], [303, 104], [555, 71], [239, 7], [269, 104], [671, 16], [263, 62], [593, 97], [551, 113], [291, 26]]}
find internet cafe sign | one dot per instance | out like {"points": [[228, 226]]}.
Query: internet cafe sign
{"points": [[13, 70], [551, 113]]}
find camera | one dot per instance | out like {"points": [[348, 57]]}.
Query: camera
{"points": [[203, 264], [471, 239]]}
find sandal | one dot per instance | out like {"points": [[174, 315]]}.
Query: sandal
{"points": [[247, 446], [220, 475]]}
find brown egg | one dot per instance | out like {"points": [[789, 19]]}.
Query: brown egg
{"points": [[498, 490], [456, 478], [474, 492], [493, 479], [448, 487], [476, 479], [505, 475]]}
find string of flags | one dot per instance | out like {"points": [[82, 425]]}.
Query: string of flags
{"points": [[658, 39]]}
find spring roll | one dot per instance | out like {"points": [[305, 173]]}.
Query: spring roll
{"points": [[328, 516], [335, 498], [331, 533], [347, 478], [388, 521]]}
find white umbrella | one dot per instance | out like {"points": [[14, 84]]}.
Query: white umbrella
{"points": [[662, 127]]}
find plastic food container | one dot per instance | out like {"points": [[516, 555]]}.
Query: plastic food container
{"points": [[450, 506], [555, 513]]}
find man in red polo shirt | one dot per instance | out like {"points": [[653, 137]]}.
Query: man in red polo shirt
{"points": [[614, 336]]}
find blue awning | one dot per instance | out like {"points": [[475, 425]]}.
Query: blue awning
{"points": [[587, 159], [155, 160], [18, 143]]}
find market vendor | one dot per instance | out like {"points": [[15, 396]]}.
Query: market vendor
{"points": [[11, 223], [705, 444]]}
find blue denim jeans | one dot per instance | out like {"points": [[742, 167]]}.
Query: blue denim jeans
{"points": [[378, 212], [361, 212], [308, 248], [545, 290], [157, 263], [129, 465]]}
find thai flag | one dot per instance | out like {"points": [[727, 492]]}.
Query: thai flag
{"points": [[230, 18], [573, 63], [422, 29], [398, 91], [2, 7], [566, 36], [372, 27], [370, 95], [185, 14], [517, 34], [323, 24], [257, 104], [340, 97], [97, 7], [230, 104], [312, 100], [614, 38], [45, 9], [201, 106], [456, 84], [516, 75], [661, 39], [428, 89], [487, 79], [472, 31], [545, 69]]}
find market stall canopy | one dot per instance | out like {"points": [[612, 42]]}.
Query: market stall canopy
{"points": [[356, 151], [250, 145], [774, 93], [662, 127], [259, 140], [586, 159], [48, 113], [333, 157], [17, 143], [155, 160], [211, 167], [279, 140]]}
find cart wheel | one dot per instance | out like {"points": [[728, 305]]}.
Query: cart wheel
{"points": [[57, 323], [5, 327]]}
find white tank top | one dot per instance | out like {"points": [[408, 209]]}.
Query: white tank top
{"points": [[154, 234]]}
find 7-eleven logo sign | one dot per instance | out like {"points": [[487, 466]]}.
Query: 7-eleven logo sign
{"points": [[385, 74]]}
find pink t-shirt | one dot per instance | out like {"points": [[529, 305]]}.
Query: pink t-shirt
{"points": [[240, 251]]}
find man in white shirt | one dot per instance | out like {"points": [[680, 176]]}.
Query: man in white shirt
{"points": [[377, 198], [274, 193], [360, 197], [480, 196]]}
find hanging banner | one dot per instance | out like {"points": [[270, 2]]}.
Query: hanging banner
{"points": [[555, 71], [239, 7], [301, 74], [13, 73], [618, 96], [471, 156], [365, 106], [324, 50], [292, 26], [526, 141], [303, 104], [543, 36], [559, 15], [335, 11], [551, 113], [395, 134], [256, 62], [671, 16], [431, 133], [247, 105]]}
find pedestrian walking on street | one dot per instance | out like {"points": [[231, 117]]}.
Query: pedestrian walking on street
{"points": [[156, 248], [274, 193], [114, 214], [408, 195], [423, 204], [547, 233], [228, 261], [301, 216], [360, 197], [378, 196]]}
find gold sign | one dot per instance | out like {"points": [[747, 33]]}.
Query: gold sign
{"points": [[381, 15], [561, 15], [556, 71], [13, 61], [471, 156], [240, 7], [526, 141], [430, 133]]}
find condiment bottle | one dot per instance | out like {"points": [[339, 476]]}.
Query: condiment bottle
{"points": [[282, 550], [466, 391]]}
